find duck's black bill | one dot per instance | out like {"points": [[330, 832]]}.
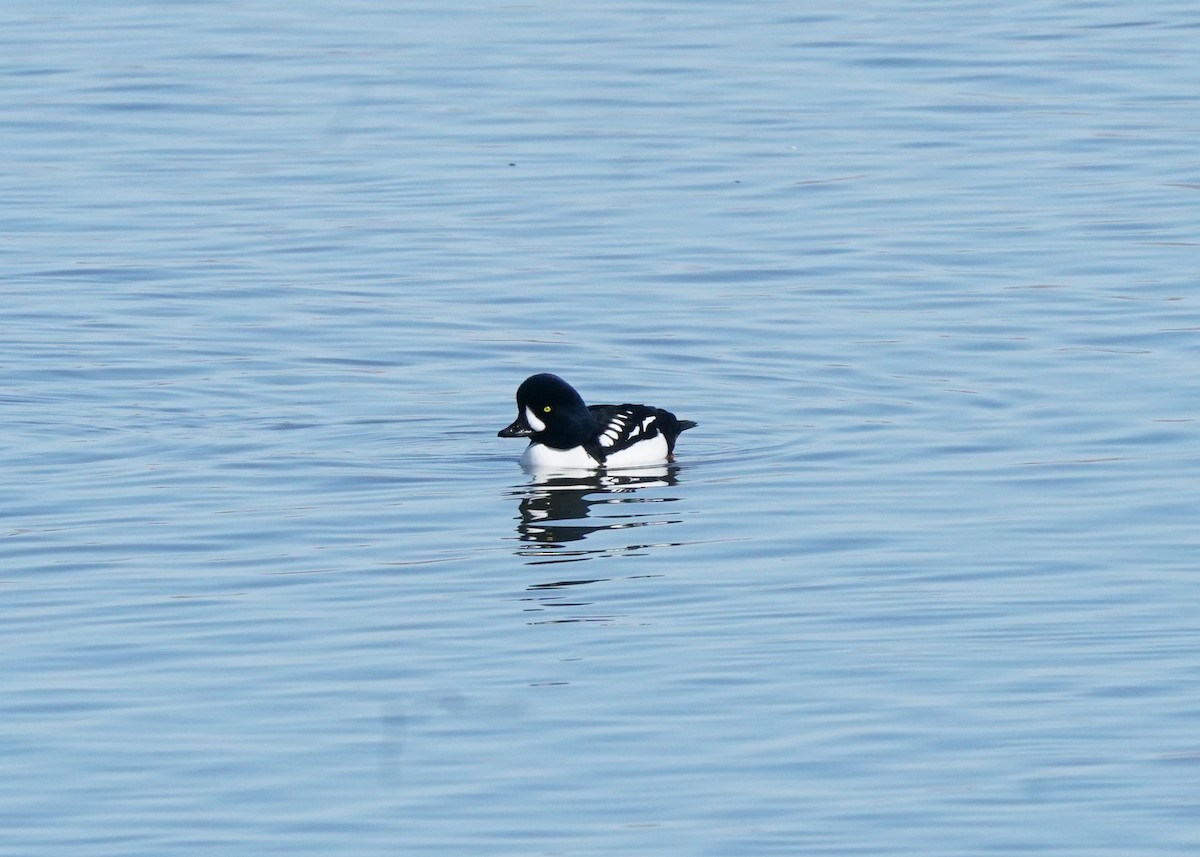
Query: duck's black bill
{"points": [[519, 428]]}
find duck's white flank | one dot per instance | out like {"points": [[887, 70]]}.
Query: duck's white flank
{"points": [[641, 454]]}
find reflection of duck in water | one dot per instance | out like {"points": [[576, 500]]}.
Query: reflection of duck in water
{"points": [[558, 509], [557, 512], [564, 433]]}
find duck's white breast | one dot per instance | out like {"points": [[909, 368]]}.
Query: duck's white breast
{"points": [[547, 457]]}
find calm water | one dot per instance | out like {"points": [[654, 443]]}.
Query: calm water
{"points": [[923, 582]]}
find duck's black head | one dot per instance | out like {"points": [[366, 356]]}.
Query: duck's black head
{"points": [[549, 411]]}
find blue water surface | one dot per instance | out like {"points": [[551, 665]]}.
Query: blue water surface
{"points": [[922, 582]]}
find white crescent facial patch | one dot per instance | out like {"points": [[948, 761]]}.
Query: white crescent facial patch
{"points": [[534, 423]]}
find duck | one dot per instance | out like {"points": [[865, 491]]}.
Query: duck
{"points": [[566, 433]]}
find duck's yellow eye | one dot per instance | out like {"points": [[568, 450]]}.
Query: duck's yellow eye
{"points": [[546, 409]]}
